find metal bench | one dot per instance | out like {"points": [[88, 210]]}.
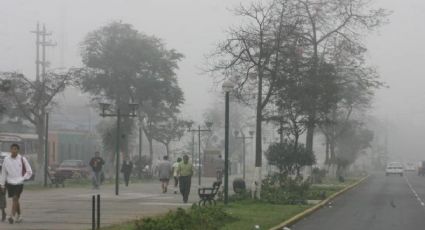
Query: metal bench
{"points": [[208, 194], [56, 179]]}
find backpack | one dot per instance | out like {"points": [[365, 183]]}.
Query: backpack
{"points": [[24, 168]]}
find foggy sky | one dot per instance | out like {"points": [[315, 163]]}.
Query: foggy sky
{"points": [[194, 26]]}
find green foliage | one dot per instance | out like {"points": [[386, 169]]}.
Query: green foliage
{"points": [[351, 143], [289, 157], [318, 175], [291, 191], [196, 218], [123, 65]]}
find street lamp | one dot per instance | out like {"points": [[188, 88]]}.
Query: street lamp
{"points": [[243, 138], [208, 125], [105, 107], [227, 88]]}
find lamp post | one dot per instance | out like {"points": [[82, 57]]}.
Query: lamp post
{"points": [[139, 165], [199, 130], [118, 114], [243, 138], [227, 88]]}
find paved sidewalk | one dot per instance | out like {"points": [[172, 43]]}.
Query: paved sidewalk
{"points": [[70, 208]]}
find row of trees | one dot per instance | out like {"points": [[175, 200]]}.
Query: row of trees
{"points": [[305, 58], [120, 66]]}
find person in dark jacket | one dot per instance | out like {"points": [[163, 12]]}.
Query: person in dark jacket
{"points": [[96, 164], [126, 169]]}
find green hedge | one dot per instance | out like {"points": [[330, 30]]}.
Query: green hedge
{"points": [[195, 218]]}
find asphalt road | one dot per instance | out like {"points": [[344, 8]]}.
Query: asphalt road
{"points": [[379, 203]]}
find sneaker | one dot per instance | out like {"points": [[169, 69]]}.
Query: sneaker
{"points": [[18, 219], [10, 220]]}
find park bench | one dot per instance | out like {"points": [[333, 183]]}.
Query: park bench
{"points": [[207, 194], [56, 179]]}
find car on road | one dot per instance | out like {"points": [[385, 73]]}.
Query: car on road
{"points": [[394, 168], [72, 169]]}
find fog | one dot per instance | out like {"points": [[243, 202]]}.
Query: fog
{"points": [[194, 26]]}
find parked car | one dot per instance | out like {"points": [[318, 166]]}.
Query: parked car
{"points": [[394, 168], [73, 169]]}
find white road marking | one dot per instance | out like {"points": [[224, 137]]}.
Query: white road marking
{"points": [[414, 192]]}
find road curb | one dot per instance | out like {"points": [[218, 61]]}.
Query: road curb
{"points": [[311, 210]]}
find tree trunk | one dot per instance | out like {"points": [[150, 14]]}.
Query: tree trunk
{"points": [[327, 150], [310, 132], [258, 144], [39, 169], [150, 140], [167, 149]]}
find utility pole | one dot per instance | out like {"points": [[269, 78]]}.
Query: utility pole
{"points": [[41, 111], [37, 52], [44, 43]]}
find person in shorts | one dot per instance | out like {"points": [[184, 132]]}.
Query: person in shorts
{"points": [[164, 171], [15, 170]]}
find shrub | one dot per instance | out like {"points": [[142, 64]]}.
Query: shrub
{"points": [[196, 218], [292, 191], [318, 174]]}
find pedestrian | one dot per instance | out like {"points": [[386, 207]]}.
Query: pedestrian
{"points": [[126, 169], [176, 174], [15, 170], [164, 172], [2, 194], [185, 172], [219, 168], [96, 164]]}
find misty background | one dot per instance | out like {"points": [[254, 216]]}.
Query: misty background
{"points": [[193, 27]]}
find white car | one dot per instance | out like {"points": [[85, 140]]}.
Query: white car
{"points": [[394, 168]]}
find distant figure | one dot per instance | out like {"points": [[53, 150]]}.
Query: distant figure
{"points": [[96, 164], [126, 169], [164, 171], [185, 172], [15, 170], [219, 168], [176, 174]]}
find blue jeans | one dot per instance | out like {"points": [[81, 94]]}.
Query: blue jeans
{"points": [[96, 179]]}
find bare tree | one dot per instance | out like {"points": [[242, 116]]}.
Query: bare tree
{"points": [[32, 99]]}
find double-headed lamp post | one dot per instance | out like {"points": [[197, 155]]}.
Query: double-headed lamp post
{"points": [[132, 113], [199, 130], [227, 88], [243, 138]]}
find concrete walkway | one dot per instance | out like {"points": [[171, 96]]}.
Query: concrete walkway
{"points": [[70, 208]]}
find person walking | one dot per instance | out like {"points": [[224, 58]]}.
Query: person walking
{"points": [[185, 172], [96, 164], [15, 170], [176, 174], [126, 169], [219, 168], [164, 172]]}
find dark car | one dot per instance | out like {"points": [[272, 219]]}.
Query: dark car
{"points": [[72, 169]]}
